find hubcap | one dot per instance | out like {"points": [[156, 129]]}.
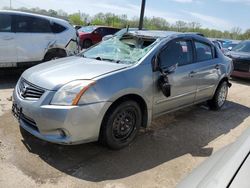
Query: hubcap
{"points": [[222, 95], [124, 124]]}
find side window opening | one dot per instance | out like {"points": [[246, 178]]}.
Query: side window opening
{"points": [[204, 51], [39, 25], [5, 23], [57, 28], [22, 24], [177, 52], [215, 52]]}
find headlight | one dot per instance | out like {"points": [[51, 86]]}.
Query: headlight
{"points": [[71, 93]]}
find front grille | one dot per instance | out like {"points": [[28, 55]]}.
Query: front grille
{"points": [[243, 66], [29, 91]]}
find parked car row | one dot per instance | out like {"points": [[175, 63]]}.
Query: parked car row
{"points": [[239, 52], [28, 39]]}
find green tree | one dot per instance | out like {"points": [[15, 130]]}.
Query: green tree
{"points": [[75, 19]]}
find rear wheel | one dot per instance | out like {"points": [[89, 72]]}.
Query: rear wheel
{"points": [[220, 97], [121, 125]]}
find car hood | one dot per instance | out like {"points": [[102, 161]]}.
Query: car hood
{"points": [[54, 74], [239, 55]]}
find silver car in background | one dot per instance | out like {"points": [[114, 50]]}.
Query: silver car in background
{"points": [[227, 168], [109, 91], [28, 39]]}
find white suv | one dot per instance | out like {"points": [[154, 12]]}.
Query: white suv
{"points": [[28, 39]]}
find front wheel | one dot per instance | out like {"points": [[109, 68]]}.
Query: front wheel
{"points": [[220, 97], [121, 125]]}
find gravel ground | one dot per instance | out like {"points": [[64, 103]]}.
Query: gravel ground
{"points": [[161, 156]]}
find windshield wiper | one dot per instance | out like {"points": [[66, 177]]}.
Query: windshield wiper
{"points": [[107, 59]]}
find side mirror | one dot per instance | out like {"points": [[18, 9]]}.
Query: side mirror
{"points": [[230, 48], [95, 32]]}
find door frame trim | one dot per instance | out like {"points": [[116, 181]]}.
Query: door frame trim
{"points": [[175, 97]]}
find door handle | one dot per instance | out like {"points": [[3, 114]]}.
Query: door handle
{"points": [[217, 67], [192, 73], [8, 38]]}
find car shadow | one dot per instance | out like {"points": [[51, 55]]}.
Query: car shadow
{"points": [[9, 77], [243, 81], [187, 131]]}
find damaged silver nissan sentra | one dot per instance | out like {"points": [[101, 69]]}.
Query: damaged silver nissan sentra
{"points": [[109, 91]]}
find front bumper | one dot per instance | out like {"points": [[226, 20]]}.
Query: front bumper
{"points": [[60, 124]]}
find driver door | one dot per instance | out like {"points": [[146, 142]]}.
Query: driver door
{"points": [[183, 85]]}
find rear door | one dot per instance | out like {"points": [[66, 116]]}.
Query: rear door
{"points": [[183, 85], [43, 36], [207, 72], [8, 55], [33, 36]]}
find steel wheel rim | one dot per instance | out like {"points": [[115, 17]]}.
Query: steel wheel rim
{"points": [[222, 95], [124, 124]]}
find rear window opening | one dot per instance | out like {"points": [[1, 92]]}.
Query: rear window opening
{"points": [[136, 41], [57, 28]]}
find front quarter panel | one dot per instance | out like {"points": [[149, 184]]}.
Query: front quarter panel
{"points": [[133, 80]]}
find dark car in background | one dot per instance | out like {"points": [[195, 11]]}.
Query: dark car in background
{"points": [[240, 55], [229, 45], [90, 35]]}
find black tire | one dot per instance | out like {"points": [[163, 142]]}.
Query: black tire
{"points": [[115, 132], [220, 97], [87, 43], [52, 56]]}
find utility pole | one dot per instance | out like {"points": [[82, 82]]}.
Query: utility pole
{"points": [[143, 3], [10, 4]]}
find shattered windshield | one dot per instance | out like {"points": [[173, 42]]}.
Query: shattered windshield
{"points": [[128, 49]]}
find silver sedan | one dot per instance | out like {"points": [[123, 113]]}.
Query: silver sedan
{"points": [[109, 91]]}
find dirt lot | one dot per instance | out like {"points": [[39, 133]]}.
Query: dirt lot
{"points": [[160, 157]]}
